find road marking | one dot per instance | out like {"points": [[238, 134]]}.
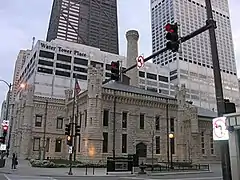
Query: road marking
{"points": [[203, 178], [18, 177], [6, 177]]}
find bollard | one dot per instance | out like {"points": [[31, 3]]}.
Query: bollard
{"points": [[93, 170], [86, 170]]}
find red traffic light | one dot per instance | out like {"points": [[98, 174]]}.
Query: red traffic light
{"points": [[115, 64], [169, 28], [5, 128]]}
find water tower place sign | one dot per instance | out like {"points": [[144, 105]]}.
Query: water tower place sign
{"points": [[61, 49]]}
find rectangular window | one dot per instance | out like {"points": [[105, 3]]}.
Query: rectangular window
{"points": [[85, 117], [105, 117], [157, 144], [59, 123], [105, 142], [211, 144], [81, 61], [202, 143], [141, 121], [163, 78], [47, 144], [46, 54], [38, 121], [36, 144], [142, 74], [172, 124], [157, 122], [80, 121], [62, 73], [63, 66], [58, 145], [45, 63], [80, 69], [45, 70], [124, 143], [151, 76], [124, 119], [79, 76], [64, 58]]}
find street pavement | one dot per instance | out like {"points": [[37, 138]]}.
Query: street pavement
{"points": [[26, 172]]}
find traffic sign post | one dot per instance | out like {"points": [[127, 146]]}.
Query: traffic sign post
{"points": [[220, 131]]}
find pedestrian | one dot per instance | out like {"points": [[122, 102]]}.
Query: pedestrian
{"points": [[14, 161]]}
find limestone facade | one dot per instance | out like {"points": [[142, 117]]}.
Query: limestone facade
{"points": [[140, 122]]}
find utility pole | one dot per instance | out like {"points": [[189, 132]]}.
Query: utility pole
{"points": [[44, 131], [167, 121], [153, 135], [226, 167], [75, 137], [114, 125]]}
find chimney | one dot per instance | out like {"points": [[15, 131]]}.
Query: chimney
{"points": [[132, 53]]}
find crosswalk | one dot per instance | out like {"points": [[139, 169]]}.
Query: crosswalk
{"points": [[17, 177]]}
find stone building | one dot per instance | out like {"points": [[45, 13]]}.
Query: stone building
{"points": [[140, 123], [32, 114]]}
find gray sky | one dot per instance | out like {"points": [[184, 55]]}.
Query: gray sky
{"points": [[23, 19]]}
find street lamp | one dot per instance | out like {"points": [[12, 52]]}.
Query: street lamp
{"points": [[171, 136], [8, 96], [22, 86]]}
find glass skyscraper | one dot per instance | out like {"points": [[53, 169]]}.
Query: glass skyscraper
{"points": [[193, 65], [93, 23]]}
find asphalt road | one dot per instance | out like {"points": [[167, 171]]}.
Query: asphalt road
{"points": [[208, 176]]}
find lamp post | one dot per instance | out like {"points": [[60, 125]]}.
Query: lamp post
{"points": [[8, 96], [171, 136]]}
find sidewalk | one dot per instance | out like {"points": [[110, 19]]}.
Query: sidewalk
{"points": [[24, 168]]}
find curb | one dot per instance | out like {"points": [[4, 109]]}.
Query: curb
{"points": [[109, 175], [179, 173]]}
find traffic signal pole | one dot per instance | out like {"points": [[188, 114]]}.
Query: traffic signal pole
{"points": [[72, 129], [182, 39], [225, 158]]}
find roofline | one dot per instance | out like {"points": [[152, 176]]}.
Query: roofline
{"points": [[143, 94]]}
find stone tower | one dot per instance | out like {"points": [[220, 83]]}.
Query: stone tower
{"points": [[132, 53], [93, 135]]}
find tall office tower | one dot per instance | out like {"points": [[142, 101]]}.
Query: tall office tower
{"points": [[90, 22], [193, 66], [21, 58]]}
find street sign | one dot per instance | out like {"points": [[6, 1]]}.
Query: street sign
{"points": [[3, 147], [220, 131], [5, 123], [140, 61], [70, 149]]}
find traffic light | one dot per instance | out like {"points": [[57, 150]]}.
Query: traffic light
{"points": [[115, 70], [69, 140], [172, 37], [2, 140], [67, 129], [229, 106], [77, 130], [5, 130]]}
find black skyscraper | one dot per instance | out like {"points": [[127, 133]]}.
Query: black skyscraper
{"points": [[90, 22]]}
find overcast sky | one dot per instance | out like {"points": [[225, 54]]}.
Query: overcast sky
{"points": [[22, 19]]}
